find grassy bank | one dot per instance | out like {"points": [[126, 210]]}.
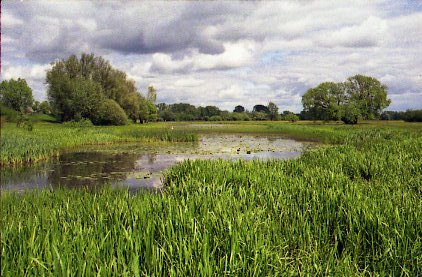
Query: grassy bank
{"points": [[352, 208], [20, 146]]}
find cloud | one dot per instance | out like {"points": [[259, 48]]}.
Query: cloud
{"points": [[189, 82], [235, 55], [10, 21], [369, 33], [223, 53]]}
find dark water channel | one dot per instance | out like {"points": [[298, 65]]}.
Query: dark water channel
{"points": [[141, 165]]}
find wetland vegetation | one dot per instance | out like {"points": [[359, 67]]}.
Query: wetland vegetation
{"points": [[350, 206]]}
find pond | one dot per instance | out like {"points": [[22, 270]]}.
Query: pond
{"points": [[141, 165]]}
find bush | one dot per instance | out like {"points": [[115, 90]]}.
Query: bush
{"points": [[259, 116], [215, 118], [290, 117], [83, 122], [110, 113], [167, 115], [7, 114]]}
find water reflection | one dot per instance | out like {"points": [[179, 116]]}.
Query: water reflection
{"points": [[140, 166]]}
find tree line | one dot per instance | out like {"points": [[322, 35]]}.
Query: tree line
{"points": [[188, 112], [89, 88]]}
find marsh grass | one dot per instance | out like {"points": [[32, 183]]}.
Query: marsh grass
{"points": [[353, 208], [20, 146]]}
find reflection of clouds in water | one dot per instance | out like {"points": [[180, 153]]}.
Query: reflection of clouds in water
{"points": [[140, 166], [217, 143]]}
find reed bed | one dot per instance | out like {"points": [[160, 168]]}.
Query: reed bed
{"points": [[20, 146], [354, 208]]}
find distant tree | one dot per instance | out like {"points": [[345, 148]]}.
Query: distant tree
{"points": [[184, 111], [143, 110], [369, 95], [152, 94], [261, 108], [413, 116], [359, 97], [45, 108], [152, 112], [16, 94], [162, 107], [239, 109], [324, 101], [212, 111], [166, 115], [273, 111], [36, 106], [131, 104], [409, 115]]}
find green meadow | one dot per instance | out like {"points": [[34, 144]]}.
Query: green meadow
{"points": [[352, 205]]}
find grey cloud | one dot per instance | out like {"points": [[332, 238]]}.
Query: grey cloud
{"points": [[222, 43]]}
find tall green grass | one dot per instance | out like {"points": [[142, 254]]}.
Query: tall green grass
{"points": [[349, 209], [20, 146]]}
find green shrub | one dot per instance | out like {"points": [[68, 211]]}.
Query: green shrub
{"points": [[8, 114], [110, 113], [291, 117], [83, 122], [215, 118]]}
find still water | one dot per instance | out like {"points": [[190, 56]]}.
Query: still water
{"points": [[141, 165]]}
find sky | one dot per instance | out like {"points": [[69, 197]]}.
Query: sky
{"points": [[223, 53]]}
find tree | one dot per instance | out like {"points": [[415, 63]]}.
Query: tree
{"points": [[167, 115], [359, 97], [36, 106], [260, 108], [369, 95], [212, 111], [162, 107], [16, 94], [152, 112], [74, 98], [113, 84], [273, 111], [130, 104], [143, 110], [239, 109], [44, 107], [324, 101], [184, 111], [152, 94]]}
